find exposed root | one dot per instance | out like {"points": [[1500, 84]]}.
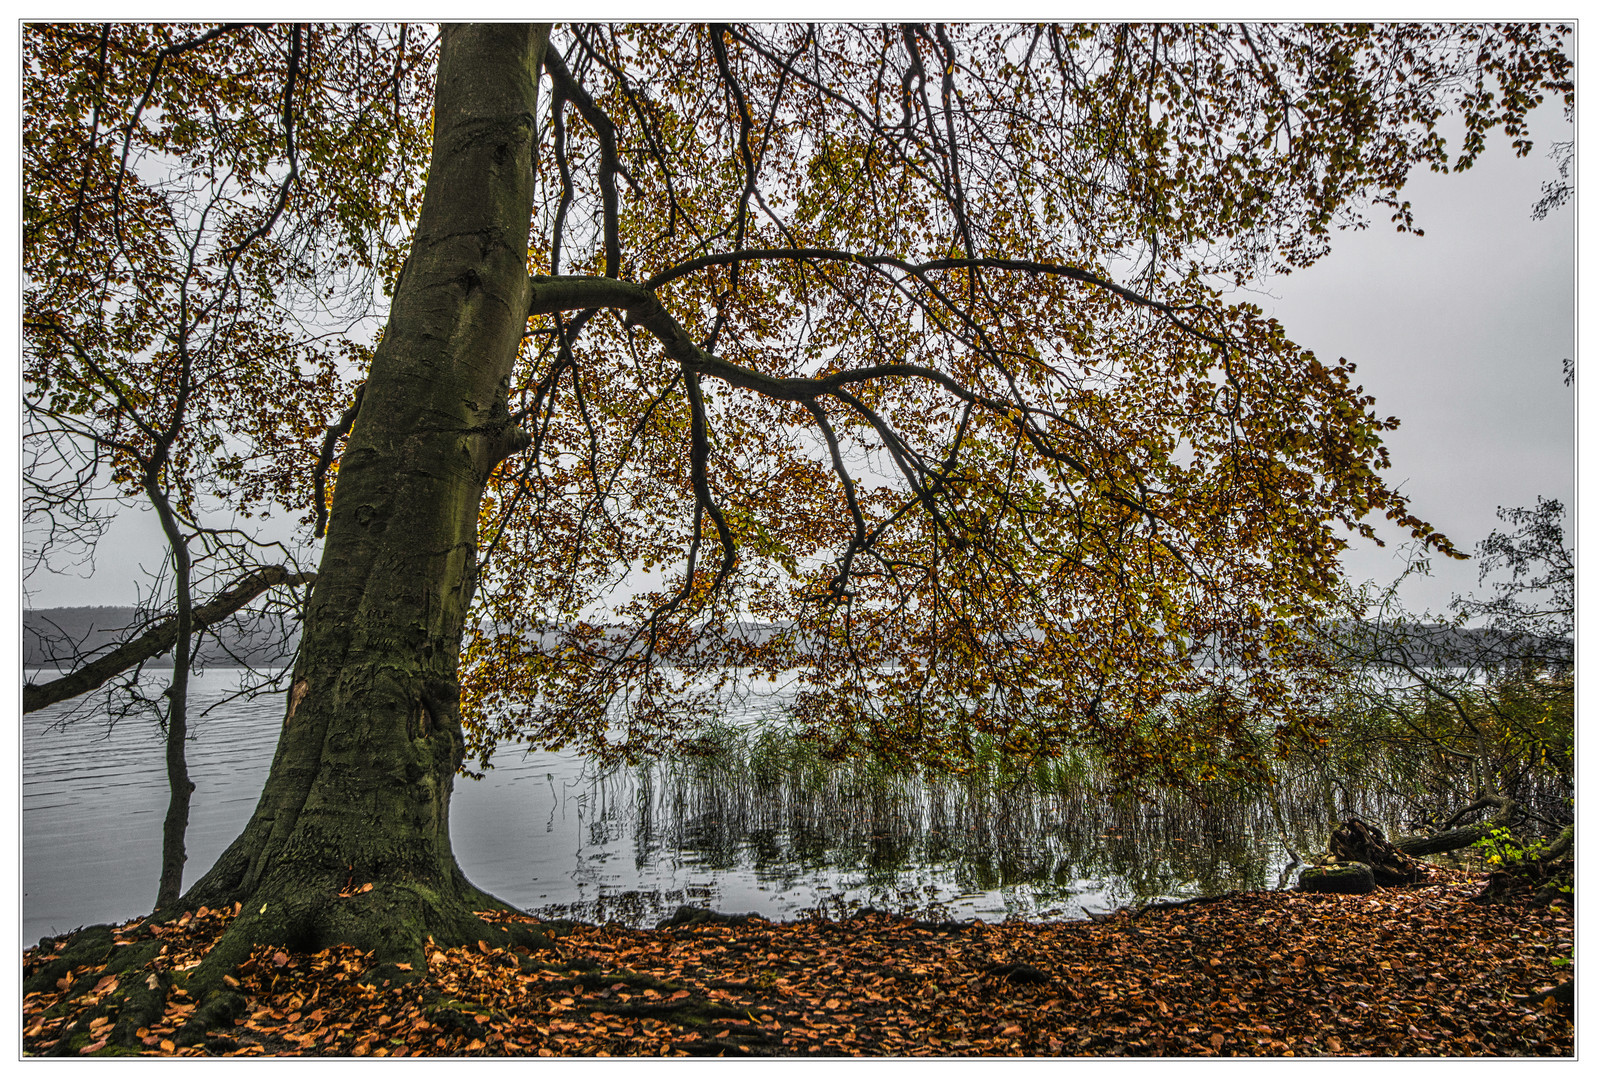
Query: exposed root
{"points": [[132, 983]]}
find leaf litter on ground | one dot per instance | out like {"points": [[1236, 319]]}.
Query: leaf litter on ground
{"points": [[1409, 971]]}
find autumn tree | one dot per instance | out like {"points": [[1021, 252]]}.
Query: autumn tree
{"points": [[204, 223], [913, 348]]}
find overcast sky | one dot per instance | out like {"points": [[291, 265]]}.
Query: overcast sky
{"points": [[1461, 333]]}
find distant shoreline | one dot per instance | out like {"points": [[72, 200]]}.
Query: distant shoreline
{"points": [[51, 636]]}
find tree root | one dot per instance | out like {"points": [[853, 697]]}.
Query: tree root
{"points": [[1358, 841], [137, 999], [396, 926]]}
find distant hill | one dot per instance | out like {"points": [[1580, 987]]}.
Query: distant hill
{"points": [[1437, 645], [52, 636]]}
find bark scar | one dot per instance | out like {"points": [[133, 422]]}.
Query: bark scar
{"points": [[296, 694]]}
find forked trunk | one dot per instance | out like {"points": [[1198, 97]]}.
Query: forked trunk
{"points": [[350, 840]]}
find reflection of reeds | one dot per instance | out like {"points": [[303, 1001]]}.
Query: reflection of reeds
{"points": [[760, 797], [1046, 834]]}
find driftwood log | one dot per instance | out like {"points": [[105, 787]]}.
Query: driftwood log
{"points": [[1453, 835], [1353, 877]]}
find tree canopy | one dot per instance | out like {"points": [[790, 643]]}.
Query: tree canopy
{"points": [[989, 446], [925, 374]]}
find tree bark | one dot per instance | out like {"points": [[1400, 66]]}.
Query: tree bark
{"points": [[359, 788]]}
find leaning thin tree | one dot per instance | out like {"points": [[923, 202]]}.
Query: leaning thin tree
{"points": [[908, 345], [194, 200]]}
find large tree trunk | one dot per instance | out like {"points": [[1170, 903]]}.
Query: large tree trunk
{"points": [[359, 789]]}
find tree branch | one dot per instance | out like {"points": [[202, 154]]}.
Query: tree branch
{"points": [[573, 91], [917, 269], [156, 640], [330, 446]]}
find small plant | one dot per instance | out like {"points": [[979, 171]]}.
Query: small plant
{"points": [[1501, 849], [1517, 867]]}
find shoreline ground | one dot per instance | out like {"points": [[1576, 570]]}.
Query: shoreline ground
{"points": [[1417, 971]]}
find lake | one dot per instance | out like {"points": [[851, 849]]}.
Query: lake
{"points": [[551, 833]]}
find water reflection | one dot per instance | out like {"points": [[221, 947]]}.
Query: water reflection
{"points": [[758, 827], [833, 840]]}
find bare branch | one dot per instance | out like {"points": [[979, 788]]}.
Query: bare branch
{"points": [[157, 640]]}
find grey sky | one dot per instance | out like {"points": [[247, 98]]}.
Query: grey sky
{"points": [[1461, 333]]}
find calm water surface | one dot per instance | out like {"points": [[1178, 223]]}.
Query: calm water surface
{"points": [[549, 832]]}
